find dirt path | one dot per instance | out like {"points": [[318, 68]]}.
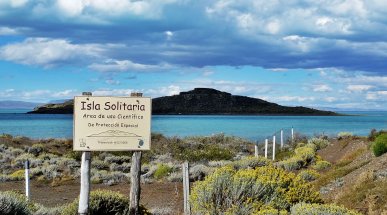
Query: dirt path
{"points": [[162, 196]]}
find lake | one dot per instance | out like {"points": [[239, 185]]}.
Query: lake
{"points": [[16, 122]]}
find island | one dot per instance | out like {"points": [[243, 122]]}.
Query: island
{"points": [[204, 101]]}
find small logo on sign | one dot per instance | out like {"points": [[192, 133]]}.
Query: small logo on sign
{"points": [[82, 142]]}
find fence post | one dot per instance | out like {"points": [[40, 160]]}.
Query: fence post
{"points": [[27, 177], [256, 149], [292, 135], [85, 179], [282, 138], [135, 171], [187, 208], [273, 148], [266, 143]]}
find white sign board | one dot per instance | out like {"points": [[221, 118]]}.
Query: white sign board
{"points": [[112, 123]]}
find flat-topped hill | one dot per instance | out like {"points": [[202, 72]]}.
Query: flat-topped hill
{"points": [[204, 101]]}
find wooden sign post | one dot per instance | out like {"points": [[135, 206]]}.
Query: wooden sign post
{"points": [[83, 207], [135, 170]]}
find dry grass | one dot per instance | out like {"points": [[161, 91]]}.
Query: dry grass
{"points": [[337, 172], [347, 159]]}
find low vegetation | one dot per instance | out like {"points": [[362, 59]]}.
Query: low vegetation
{"points": [[247, 191], [379, 146], [228, 180]]}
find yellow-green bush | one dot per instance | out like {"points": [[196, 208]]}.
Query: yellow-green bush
{"points": [[321, 165], [230, 191], [103, 202], [308, 175], [18, 175], [162, 171], [251, 163], [319, 142], [302, 157], [318, 209]]}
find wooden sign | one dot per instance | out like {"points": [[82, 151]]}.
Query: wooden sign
{"points": [[112, 123]]}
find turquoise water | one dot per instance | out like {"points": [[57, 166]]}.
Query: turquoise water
{"points": [[15, 122]]}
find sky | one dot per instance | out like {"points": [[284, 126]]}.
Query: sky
{"points": [[330, 53]]}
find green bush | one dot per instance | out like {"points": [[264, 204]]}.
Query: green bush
{"points": [[251, 163], [321, 165], [379, 147], [344, 134], [36, 149], [308, 175], [318, 209], [230, 191], [103, 202], [319, 142], [374, 133], [162, 171], [302, 157], [13, 204]]}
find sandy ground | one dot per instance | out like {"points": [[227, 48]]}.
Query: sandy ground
{"points": [[158, 195]]}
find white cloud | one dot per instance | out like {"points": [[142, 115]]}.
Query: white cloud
{"points": [[164, 91], [127, 65], [168, 34], [48, 52], [8, 31], [295, 98], [377, 95], [358, 88], [322, 88], [113, 92], [38, 95], [330, 99], [113, 82]]}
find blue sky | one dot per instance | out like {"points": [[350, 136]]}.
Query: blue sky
{"points": [[329, 53]]}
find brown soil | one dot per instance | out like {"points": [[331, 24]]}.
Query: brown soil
{"points": [[156, 195]]}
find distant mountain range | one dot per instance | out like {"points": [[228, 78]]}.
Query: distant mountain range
{"points": [[18, 105], [204, 101]]}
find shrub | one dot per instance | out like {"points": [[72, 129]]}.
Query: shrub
{"points": [[291, 164], [305, 153], [230, 191], [118, 159], [308, 175], [41, 210], [124, 167], [374, 133], [379, 147], [18, 175], [103, 202], [321, 165], [302, 156], [344, 134], [319, 142], [13, 204], [36, 149], [251, 163], [317, 209], [162, 171], [198, 172]]}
